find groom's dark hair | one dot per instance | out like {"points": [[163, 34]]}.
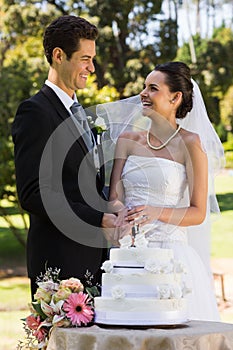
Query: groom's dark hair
{"points": [[65, 32]]}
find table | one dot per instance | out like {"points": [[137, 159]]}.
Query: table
{"points": [[195, 335]]}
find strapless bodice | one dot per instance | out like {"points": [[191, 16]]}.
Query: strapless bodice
{"points": [[157, 182]]}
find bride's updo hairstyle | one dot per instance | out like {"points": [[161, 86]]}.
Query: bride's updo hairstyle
{"points": [[178, 78]]}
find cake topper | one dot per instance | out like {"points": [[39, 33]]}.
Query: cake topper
{"points": [[135, 231]]}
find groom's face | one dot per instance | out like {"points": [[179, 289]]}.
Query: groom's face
{"points": [[73, 72]]}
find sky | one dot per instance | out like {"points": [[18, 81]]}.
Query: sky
{"points": [[225, 13]]}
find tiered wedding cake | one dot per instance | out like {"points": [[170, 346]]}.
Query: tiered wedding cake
{"points": [[141, 286]]}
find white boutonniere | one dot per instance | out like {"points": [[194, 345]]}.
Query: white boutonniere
{"points": [[99, 124]]}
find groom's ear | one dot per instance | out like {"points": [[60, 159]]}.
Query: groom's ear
{"points": [[58, 55]]}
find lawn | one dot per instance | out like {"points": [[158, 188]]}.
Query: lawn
{"points": [[222, 226], [14, 292], [14, 299]]}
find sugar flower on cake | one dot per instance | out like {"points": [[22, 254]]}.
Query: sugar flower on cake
{"points": [[125, 242], [164, 291], [64, 303], [167, 267], [179, 267], [140, 241], [176, 292], [186, 289], [152, 265], [118, 292], [107, 266]]}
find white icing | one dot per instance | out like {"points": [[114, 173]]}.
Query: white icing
{"points": [[135, 256], [135, 311], [141, 286]]}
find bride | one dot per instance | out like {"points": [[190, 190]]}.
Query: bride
{"points": [[160, 175]]}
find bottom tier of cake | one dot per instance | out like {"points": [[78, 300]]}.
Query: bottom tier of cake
{"points": [[138, 311]]}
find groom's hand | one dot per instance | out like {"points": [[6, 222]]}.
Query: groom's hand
{"points": [[109, 225]]}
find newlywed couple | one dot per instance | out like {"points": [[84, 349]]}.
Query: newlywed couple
{"points": [[159, 176]]}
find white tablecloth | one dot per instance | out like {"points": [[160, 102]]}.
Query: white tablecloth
{"points": [[195, 335]]}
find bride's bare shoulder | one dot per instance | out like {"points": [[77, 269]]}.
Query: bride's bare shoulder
{"points": [[132, 135], [192, 142], [190, 138]]}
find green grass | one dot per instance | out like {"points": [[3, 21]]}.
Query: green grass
{"points": [[222, 226], [14, 300], [11, 329], [14, 293], [12, 253]]}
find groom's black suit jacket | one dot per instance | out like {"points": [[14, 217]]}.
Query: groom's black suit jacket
{"points": [[36, 120]]}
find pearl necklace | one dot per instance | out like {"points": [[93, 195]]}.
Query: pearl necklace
{"points": [[163, 144]]}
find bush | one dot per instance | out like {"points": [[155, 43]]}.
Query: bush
{"points": [[229, 159]]}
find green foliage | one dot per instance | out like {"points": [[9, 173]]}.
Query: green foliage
{"points": [[124, 28], [221, 131], [134, 37], [213, 69], [227, 108], [228, 145], [228, 148], [91, 95], [229, 159]]}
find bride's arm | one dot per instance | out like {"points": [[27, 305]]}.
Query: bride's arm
{"points": [[116, 191], [197, 174]]}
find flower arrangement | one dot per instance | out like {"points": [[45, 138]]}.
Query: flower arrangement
{"points": [[64, 303]]}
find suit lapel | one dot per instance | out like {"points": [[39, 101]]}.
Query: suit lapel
{"points": [[64, 115]]}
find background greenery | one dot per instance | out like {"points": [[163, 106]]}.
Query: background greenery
{"points": [[135, 35]]}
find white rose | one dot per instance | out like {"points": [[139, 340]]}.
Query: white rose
{"points": [[107, 266], [186, 290], [100, 123], [117, 292], [166, 267], [176, 292], [152, 265], [179, 267], [126, 241], [164, 291], [140, 241]]}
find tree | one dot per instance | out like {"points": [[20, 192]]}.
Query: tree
{"points": [[213, 73], [22, 71], [135, 35]]}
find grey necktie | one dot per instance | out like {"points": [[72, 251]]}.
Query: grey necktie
{"points": [[80, 115]]}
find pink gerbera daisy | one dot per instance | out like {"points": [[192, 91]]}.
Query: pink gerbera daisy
{"points": [[77, 309]]}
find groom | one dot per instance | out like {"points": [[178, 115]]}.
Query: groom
{"points": [[58, 182]]}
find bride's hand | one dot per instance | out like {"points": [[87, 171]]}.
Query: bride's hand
{"points": [[142, 214]]}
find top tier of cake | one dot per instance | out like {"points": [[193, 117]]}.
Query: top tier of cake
{"points": [[136, 256]]}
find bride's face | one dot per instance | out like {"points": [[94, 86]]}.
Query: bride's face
{"points": [[156, 95]]}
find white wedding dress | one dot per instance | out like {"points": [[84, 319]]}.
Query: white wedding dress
{"points": [[163, 182]]}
